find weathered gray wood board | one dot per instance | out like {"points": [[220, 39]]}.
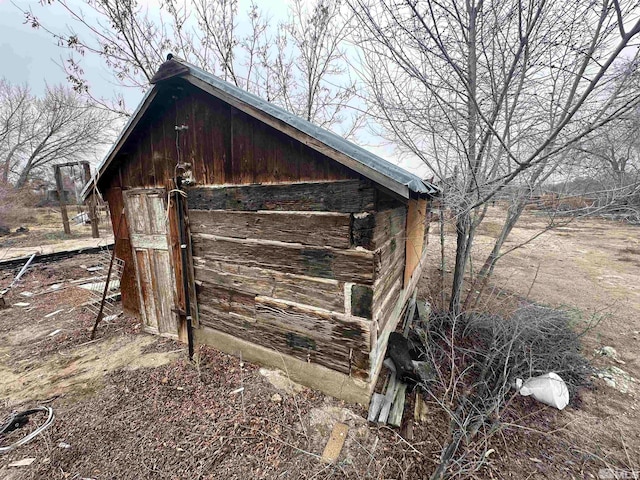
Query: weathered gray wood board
{"points": [[390, 251], [327, 338], [316, 376], [347, 196], [341, 337], [387, 290], [323, 262], [389, 236], [317, 292], [389, 223], [371, 230], [308, 228], [362, 301], [227, 300], [387, 279], [397, 410]]}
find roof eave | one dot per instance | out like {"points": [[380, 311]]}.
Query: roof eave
{"points": [[392, 178]]}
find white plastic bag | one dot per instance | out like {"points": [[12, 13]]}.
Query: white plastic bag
{"points": [[549, 389]]}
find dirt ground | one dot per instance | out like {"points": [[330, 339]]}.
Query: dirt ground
{"points": [[129, 405], [593, 267]]}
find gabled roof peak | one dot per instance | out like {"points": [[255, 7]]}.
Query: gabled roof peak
{"points": [[380, 171]]}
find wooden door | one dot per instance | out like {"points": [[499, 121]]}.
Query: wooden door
{"points": [[148, 232]]}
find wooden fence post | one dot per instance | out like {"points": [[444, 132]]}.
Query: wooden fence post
{"points": [[92, 202], [63, 206]]}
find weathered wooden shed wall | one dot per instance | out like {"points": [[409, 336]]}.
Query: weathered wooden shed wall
{"points": [[289, 267], [292, 251], [223, 146]]}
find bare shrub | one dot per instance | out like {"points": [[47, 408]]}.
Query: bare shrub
{"points": [[15, 205], [477, 358]]}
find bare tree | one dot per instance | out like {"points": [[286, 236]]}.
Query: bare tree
{"points": [[298, 63], [60, 126], [14, 120], [493, 93], [319, 41], [614, 154]]}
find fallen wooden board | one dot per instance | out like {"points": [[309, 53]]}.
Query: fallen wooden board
{"points": [[336, 441], [395, 415], [52, 257], [420, 410], [424, 310], [411, 309], [388, 398], [375, 406]]}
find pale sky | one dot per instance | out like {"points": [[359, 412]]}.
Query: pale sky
{"points": [[31, 56]]}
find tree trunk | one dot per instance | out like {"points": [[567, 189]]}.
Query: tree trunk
{"points": [[24, 176], [7, 164], [463, 229], [443, 263], [513, 215], [33, 160]]}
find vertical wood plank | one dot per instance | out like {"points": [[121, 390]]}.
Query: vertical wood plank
{"points": [[146, 289], [416, 224], [163, 280]]}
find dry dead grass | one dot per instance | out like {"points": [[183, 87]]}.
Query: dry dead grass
{"points": [[46, 234], [630, 250]]}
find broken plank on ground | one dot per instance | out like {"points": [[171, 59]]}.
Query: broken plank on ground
{"points": [[336, 441]]}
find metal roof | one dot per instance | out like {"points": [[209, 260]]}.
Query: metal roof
{"points": [[366, 163]]}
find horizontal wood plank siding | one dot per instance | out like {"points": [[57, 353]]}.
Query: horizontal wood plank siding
{"points": [[345, 196], [389, 236], [327, 337], [313, 335], [226, 322], [317, 292], [389, 223], [371, 230], [389, 252], [323, 262], [383, 308], [228, 300], [308, 228]]}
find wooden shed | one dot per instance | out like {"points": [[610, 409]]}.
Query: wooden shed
{"points": [[251, 230]]}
